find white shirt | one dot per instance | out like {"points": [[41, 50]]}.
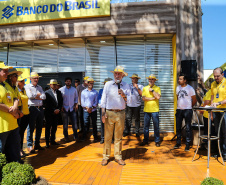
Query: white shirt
{"points": [[110, 97], [135, 97], [184, 100], [54, 93], [70, 97], [32, 92]]}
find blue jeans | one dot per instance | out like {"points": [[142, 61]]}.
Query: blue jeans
{"points": [[216, 119], [187, 115], [10, 145], [72, 115], [35, 121], [87, 116], [147, 119]]}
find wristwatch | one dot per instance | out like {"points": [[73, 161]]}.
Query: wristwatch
{"points": [[152, 90], [219, 103]]}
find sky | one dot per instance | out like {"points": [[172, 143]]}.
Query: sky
{"points": [[214, 33]]}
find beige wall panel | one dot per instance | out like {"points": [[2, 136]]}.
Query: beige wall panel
{"points": [[126, 18]]}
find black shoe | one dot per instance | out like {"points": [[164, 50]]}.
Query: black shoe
{"points": [[224, 158], [54, 143], [80, 131], [125, 134], [144, 143], [38, 147], [177, 146], [157, 144], [137, 135], [187, 147], [203, 146], [101, 141], [95, 140], [47, 145]]}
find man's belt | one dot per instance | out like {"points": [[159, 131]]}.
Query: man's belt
{"points": [[115, 110]]}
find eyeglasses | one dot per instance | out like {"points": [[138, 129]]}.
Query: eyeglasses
{"points": [[151, 79], [15, 75]]}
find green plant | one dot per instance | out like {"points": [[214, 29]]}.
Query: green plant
{"points": [[2, 160], [28, 170], [18, 174], [9, 168], [211, 181], [16, 178]]}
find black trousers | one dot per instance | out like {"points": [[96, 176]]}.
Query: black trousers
{"points": [[51, 127], [187, 115], [130, 112], [216, 119], [81, 119], [23, 123]]}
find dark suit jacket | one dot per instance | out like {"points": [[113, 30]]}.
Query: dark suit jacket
{"points": [[50, 102]]}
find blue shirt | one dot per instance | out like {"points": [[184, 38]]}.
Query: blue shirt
{"points": [[70, 97], [89, 99], [32, 92], [100, 96], [135, 97]]}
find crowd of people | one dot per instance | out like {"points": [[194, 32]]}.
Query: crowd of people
{"points": [[24, 107]]}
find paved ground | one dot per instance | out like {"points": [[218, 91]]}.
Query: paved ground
{"points": [[80, 163]]}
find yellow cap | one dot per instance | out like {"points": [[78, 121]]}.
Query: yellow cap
{"points": [[152, 76], [34, 74], [135, 76], [90, 80], [3, 66], [120, 69], [86, 77], [53, 81], [14, 71]]}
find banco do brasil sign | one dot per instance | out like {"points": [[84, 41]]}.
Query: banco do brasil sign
{"points": [[19, 11]]}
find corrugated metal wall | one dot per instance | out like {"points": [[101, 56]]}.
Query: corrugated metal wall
{"points": [[141, 55]]}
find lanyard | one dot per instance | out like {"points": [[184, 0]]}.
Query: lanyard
{"points": [[220, 86]]}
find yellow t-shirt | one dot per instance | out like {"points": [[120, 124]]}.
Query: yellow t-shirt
{"points": [[7, 120], [151, 106], [220, 90], [15, 91], [24, 100], [206, 97]]}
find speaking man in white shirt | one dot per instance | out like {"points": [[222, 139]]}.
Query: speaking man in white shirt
{"points": [[115, 95]]}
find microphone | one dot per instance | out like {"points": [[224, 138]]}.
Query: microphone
{"points": [[118, 82]]}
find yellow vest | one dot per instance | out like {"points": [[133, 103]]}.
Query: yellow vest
{"points": [[151, 106], [206, 97], [24, 100], [219, 89], [7, 120]]}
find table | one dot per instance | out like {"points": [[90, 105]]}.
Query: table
{"points": [[208, 136]]}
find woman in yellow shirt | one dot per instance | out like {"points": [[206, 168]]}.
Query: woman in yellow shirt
{"points": [[23, 123], [12, 91]]}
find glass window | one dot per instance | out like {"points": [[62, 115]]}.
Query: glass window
{"points": [[45, 57], [3, 53], [100, 60], [71, 56], [20, 55]]}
